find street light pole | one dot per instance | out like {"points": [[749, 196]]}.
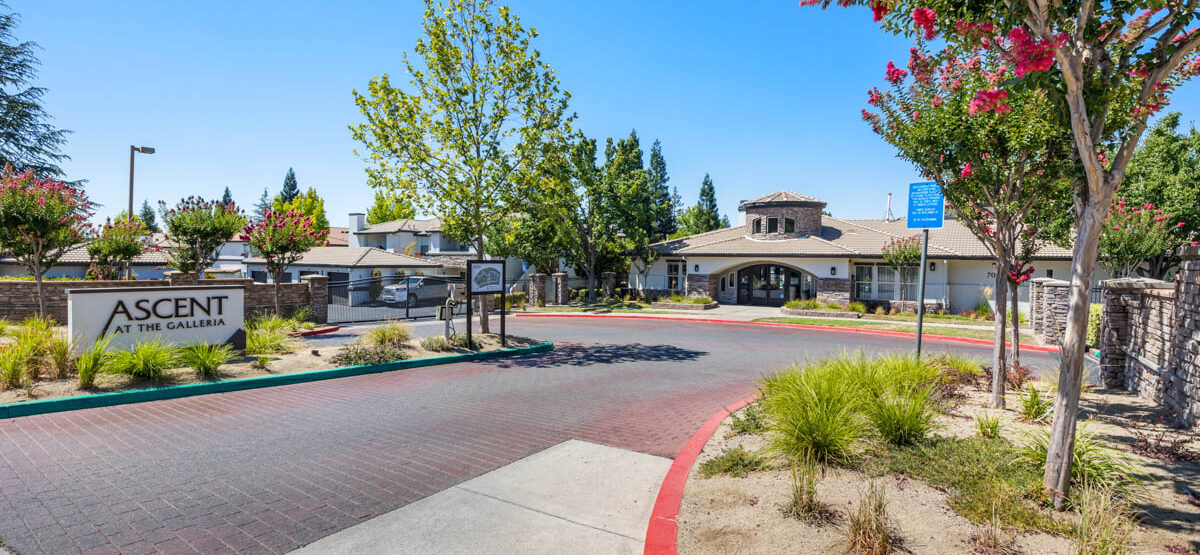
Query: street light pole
{"points": [[132, 150]]}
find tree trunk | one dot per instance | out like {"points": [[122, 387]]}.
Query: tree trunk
{"points": [[1057, 479], [277, 311], [591, 274], [1016, 324], [41, 293], [999, 325], [483, 303]]}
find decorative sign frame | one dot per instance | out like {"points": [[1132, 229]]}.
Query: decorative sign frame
{"points": [[485, 277], [177, 315]]}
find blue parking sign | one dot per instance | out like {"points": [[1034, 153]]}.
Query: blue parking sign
{"points": [[926, 205]]}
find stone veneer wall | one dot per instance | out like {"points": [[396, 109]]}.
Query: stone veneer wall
{"points": [[1150, 338], [1049, 315], [808, 220], [18, 299], [831, 290]]}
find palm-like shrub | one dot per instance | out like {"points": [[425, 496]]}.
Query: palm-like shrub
{"points": [[147, 360], [1034, 406], [206, 359], [1093, 462]]}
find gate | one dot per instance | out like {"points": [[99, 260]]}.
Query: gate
{"points": [[389, 298]]}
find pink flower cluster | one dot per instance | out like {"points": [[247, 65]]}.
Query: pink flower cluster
{"points": [[925, 18], [1030, 54], [922, 66], [989, 101], [879, 8], [894, 74], [1020, 274]]}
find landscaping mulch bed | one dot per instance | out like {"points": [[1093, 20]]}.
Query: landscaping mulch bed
{"points": [[724, 514]]}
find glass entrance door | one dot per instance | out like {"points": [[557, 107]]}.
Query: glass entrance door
{"points": [[771, 285]]}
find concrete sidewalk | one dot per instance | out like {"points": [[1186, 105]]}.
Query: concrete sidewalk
{"points": [[575, 497]]}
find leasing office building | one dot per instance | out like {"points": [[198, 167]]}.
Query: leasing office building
{"points": [[787, 248]]}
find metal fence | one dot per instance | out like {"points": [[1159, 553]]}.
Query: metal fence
{"points": [[389, 297]]}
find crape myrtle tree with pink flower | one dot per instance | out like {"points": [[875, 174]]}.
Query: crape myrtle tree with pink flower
{"points": [[1106, 67], [196, 229], [281, 238], [900, 253], [118, 243], [1136, 234], [1001, 168], [40, 218]]}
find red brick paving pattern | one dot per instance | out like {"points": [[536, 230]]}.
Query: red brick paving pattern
{"points": [[273, 469]]}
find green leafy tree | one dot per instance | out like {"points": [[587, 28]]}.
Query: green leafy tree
{"points": [[389, 206], [310, 204], [536, 235], [196, 230], [39, 220], [262, 206], [1164, 172], [467, 140], [148, 218], [291, 189], [708, 218], [1106, 67], [281, 238], [29, 141], [113, 251], [227, 196]]}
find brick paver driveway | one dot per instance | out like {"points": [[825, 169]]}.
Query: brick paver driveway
{"points": [[273, 469]]}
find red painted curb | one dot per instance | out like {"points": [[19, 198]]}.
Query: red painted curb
{"points": [[952, 338], [662, 534], [316, 331]]}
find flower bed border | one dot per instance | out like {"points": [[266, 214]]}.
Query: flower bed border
{"points": [[61, 404], [819, 313], [684, 306]]}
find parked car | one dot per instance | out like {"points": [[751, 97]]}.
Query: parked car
{"points": [[413, 290]]}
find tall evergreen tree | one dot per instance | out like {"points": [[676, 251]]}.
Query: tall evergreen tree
{"points": [[709, 217], [28, 141], [148, 218], [665, 223], [227, 198], [291, 189], [262, 206]]}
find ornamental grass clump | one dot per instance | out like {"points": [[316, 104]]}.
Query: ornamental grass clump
{"points": [[393, 335], [147, 360], [60, 356], [987, 426], [1093, 462], [1106, 522], [268, 341], [436, 344], [13, 359], [206, 359], [869, 532], [814, 411], [1034, 406], [735, 461], [92, 361]]}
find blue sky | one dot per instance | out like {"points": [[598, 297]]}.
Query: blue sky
{"points": [[763, 95]]}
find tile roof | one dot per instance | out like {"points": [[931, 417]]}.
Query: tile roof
{"points": [[840, 239], [352, 257], [781, 197], [339, 237], [430, 225], [78, 256]]}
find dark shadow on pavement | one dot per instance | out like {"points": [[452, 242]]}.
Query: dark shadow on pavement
{"points": [[573, 354]]}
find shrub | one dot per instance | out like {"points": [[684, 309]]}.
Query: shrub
{"points": [[146, 360], [358, 354], [33, 337], [268, 341], [1093, 462], [957, 372], [880, 311], [262, 362], [814, 411], [517, 299], [690, 299], [869, 531], [270, 323], [1106, 523], [391, 334], [437, 344], [1095, 315], [752, 420], [858, 307], [92, 361], [302, 314], [797, 304], [735, 461], [983, 310], [460, 341], [60, 355], [987, 426], [1034, 406], [1017, 376], [13, 359], [205, 359], [902, 417]]}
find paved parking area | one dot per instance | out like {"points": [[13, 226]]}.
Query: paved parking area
{"points": [[274, 469]]}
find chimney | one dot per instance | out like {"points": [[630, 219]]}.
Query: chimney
{"points": [[358, 221], [741, 214]]}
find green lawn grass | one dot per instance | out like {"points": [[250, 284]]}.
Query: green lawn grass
{"points": [[888, 326]]}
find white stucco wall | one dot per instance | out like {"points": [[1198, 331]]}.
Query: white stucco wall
{"points": [[656, 277]]}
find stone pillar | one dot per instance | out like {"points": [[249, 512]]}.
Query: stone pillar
{"points": [[1035, 307], [318, 296], [1184, 393], [562, 295], [608, 284], [698, 285], [833, 290], [178, 278], [1054, 303], [537, 289]]}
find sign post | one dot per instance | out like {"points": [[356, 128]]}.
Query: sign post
{"points": [[485, 277], [926, 210]]}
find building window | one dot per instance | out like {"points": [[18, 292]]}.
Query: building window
{"points": [[909, 282], [722, 283], [862, 281], [1049, 273], [789, 225], [758, 225], [675, 272], [772, 225]]}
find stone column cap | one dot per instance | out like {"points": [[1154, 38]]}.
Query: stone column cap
{"points": [[1189, 252], [1056, 283], [1041, 280], [1136, 283], [311, 277], [559, 274]]}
